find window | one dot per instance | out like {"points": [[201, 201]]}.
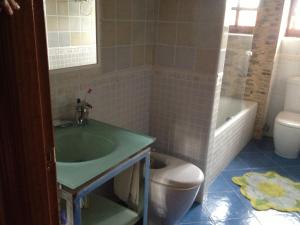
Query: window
{"points": [[293, 29], [71, 33], [243, 16]]}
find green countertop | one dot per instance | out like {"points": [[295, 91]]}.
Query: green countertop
{"points": [[126, 144]]}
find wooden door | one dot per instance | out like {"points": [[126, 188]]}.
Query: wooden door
{"points": [[28, 193]]}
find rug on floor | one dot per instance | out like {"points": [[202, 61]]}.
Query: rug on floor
{"points": [[270, 191]]}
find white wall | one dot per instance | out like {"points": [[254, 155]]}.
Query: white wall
{"points": [[287, 65]]}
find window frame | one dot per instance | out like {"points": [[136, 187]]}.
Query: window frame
{"points": [[292, 32], [237, 28]]}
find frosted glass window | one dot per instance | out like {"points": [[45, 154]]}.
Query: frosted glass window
{"points": [[71, 33], [249, 3], [243, 15], [295, 16], [232, 17], [247, 18]]}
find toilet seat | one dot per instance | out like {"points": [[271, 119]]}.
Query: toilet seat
{"points": [[176, 173], [288, 119]]}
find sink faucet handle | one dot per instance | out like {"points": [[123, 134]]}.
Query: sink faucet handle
{"points": [[88, 105], [82, 112]]}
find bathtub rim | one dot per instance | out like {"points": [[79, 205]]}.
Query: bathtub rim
{"points": [[246, 107]]}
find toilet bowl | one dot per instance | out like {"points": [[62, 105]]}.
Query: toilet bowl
{"points": [[287, 123], [174, 186], [287, 135]]}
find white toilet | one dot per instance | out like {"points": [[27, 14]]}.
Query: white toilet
{"points": [[174, 186], [287, 123]]}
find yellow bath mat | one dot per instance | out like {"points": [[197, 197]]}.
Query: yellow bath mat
{"points": [[270, 191]]}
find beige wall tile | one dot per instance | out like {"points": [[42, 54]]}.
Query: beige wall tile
{"points": [[185, 58], [139, 32], [108, 59], [63, 8], [207, 61], [167, 33], [124, 33], [188, 10], [164, 55], [86, 23], [75, 38], [74, 9], [150, 33], [51, 7], [211, 11], [168, 10], [63, 23], [139, 9], [108, 34], [149, 54], [52, 23], [207, 33], [124, 9], [52, 39], [152, 9], [138, 55], [86, 38], [187, 34], [64, 39], [75, 24], [108, 9], [123, 57]]}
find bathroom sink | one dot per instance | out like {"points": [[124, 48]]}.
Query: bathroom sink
{"points": [[75, 145], [83, 153]]}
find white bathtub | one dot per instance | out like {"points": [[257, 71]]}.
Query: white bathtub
{"points": [[236, 122]]}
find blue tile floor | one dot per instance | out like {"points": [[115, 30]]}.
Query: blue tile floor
{"points": [[224, 205]]}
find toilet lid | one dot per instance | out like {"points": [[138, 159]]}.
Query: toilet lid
{"points": [[289, 119], [177, 173]]}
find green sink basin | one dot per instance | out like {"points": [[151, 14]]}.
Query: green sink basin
{"points": [[83, 153], [75, 146]]}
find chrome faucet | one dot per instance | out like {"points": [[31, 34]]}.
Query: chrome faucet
{"points": [[82, 112]]}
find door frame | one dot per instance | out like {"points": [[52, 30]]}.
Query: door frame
{"points": [[28, 189]]}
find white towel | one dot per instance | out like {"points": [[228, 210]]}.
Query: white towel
{"points": [[127, 185]]}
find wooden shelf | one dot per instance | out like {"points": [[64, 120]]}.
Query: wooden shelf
{"points": [[102, 211]]}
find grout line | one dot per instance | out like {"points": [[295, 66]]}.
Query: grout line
{"points": [[145, 30], [176, 35], [116, 37]]}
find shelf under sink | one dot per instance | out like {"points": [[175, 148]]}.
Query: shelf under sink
{"points": [[102, 211]]}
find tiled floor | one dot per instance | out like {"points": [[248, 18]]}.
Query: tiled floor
{"points": [[224, 205]]}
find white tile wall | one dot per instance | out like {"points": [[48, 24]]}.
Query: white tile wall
{"points": [[287, 65], [187, 50], [229, 140], [180, 112], [120, 98]]}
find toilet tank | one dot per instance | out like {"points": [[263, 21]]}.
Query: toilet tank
{"points": [[292, 96]]}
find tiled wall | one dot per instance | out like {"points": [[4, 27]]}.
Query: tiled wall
{"points": [[71, 33], [121, 82], [128, 33], [182, 38], [209, 164], [229, 140], [189, 34], [265, 40], [180, 107], [120, 98], [287, 65]]}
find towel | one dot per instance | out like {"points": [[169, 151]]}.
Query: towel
{"points": [[127, 186]]}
